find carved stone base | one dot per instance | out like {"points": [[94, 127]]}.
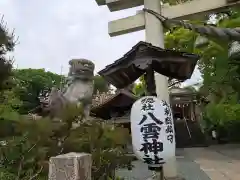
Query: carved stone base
{"points": [[71, 166]]}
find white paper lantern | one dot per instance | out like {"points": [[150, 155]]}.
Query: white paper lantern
{"points": [[153, 135]]}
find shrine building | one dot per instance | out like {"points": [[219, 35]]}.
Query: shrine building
{"points": [[115, 109], [144, 59]]}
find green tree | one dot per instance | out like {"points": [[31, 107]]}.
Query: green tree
{"points": [[100, 84], [8, 100], [220, 76], [139, 88], [220, 72], [31, 83], [6, 45]]}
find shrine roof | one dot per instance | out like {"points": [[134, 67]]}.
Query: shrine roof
{"points": [[133, 64], [104, 103], [180, 91]]}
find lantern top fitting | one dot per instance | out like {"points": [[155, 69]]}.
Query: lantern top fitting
{"points": [[133, 64]]}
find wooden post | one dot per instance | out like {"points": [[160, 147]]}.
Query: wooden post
{"points": [[150, 82], [151, 91], [71, 166]]}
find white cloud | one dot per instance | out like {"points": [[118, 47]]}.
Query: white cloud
{"points": [[53, 32]]}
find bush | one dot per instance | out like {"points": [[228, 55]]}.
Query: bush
{"points": [[223, 113], [225, 118], [25, 152]]}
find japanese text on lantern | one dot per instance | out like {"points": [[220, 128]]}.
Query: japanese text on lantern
{"points": [[150, 130], [168, 121]]}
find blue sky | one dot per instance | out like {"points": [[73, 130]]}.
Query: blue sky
{"points": [[53, 32]]}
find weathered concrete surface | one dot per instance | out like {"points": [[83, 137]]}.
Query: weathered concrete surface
{"points": [[187, 169], [139, 172], [218, 162], [71, 166]]}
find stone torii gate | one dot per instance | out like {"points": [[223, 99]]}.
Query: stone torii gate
{"points": [[195, 9]]}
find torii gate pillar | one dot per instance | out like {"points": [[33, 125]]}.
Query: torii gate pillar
{"points": [[154, 35]]}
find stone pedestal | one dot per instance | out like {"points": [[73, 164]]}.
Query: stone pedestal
{"points": [[71, 166]]}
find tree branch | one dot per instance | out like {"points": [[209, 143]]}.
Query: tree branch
{"points": [[21, 162], [20, 168], [35, 175]]}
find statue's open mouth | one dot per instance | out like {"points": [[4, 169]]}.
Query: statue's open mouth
{"points": [[83, 71]]}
